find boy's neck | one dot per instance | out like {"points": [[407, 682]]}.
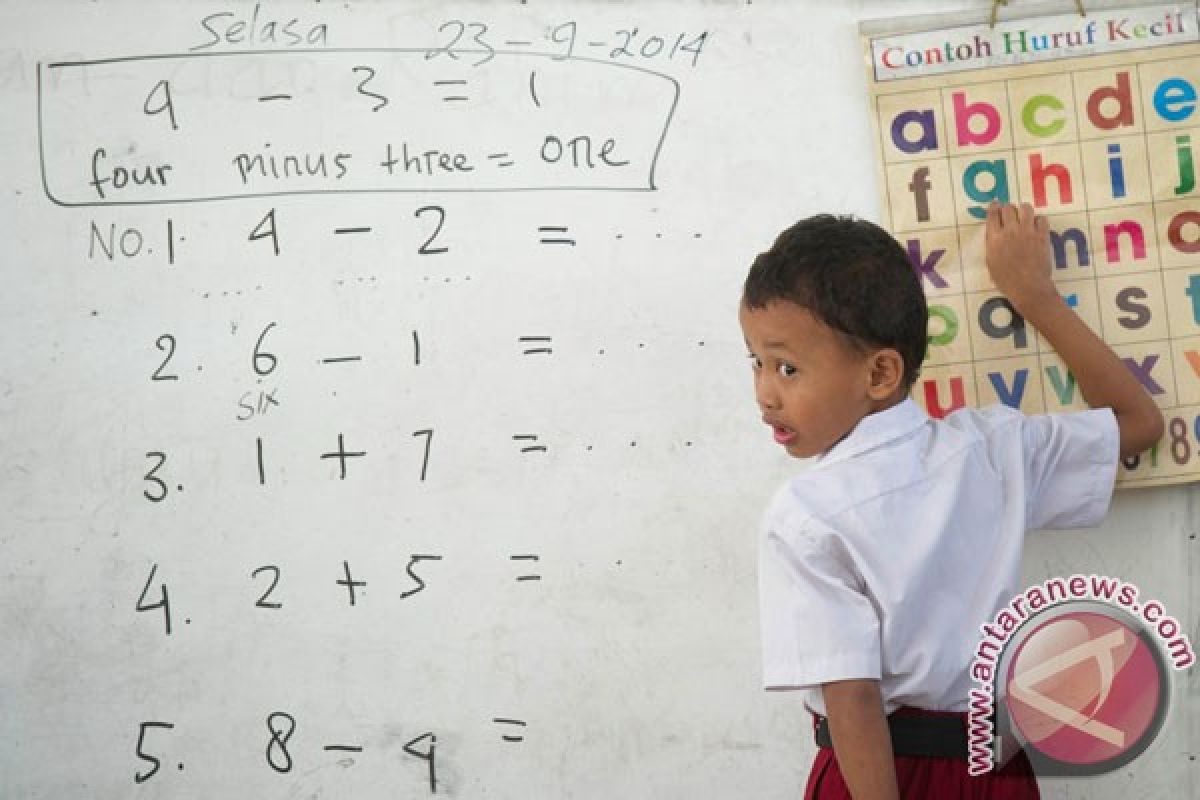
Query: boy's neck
{"points": [[895, 399], [890, 401]]}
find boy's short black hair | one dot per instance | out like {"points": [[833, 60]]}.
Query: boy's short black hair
{"points": [[853, 276]]}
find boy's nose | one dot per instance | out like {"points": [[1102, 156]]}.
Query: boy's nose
{"points": [[765, 394]]}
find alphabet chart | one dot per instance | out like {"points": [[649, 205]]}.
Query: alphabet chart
{"points": [[1091, 119]]}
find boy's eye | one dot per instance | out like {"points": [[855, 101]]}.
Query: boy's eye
{"points": [[754, 361], [786, 370]]}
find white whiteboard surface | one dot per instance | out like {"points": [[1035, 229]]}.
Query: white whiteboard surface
{"points": [[580, 523]]}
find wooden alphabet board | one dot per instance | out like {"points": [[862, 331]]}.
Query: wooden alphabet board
{"points": [[1092, 119]]}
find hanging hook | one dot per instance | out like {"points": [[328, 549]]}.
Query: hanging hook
{"points": [[997, 3], [996, 7]]}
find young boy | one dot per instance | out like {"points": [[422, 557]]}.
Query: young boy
{"points": [[879, 564]]}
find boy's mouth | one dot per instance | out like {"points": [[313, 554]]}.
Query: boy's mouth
{"points": [[783, 435]]}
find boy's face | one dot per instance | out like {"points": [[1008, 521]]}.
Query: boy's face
{"points": [[809, 382]]}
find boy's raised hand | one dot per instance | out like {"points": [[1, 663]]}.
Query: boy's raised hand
{"points": [[1018, 254], [1018, 258]]}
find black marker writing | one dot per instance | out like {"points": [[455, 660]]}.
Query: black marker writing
{"points": [[341, 454], [416, 559], [282, 726], [510, 723], [349, 582], [383, 101]]}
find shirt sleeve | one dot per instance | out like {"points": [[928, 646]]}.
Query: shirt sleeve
{"points": [[1070, 467], [817, 624]]}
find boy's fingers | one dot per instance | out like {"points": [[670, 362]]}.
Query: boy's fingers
{"points": [[1026, 213], [1008, 215], [993, 215]]}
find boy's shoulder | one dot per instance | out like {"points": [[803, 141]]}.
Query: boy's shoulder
{"points": [[992, 444], [987, 420], [1030, 430]]}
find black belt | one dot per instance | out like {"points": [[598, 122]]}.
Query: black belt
{"points": [[916, 735]]}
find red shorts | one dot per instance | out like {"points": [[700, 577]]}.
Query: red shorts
{"points": [[925, 778]]}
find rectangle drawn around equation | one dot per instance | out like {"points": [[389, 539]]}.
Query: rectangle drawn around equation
{"points": [[181, 128]]}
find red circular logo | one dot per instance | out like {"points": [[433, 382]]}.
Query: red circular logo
{"points": [[1086, 689]]}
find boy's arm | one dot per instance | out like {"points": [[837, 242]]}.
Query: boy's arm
{"points": [[1018, 258], [861, 739]]}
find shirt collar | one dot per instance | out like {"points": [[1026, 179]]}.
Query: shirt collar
{"points": [[876, 429]]}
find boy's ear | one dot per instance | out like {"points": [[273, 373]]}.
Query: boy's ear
{"points": [[886, 368]]}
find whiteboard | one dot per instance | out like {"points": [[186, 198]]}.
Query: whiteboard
{"points": [[445, 480]]}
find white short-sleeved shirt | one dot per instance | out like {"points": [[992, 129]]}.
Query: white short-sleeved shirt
{"points": [[884, 558]]}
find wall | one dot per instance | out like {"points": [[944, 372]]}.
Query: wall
{"points": [[473, 491]]}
